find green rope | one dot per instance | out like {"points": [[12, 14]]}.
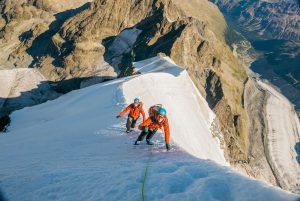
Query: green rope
{"points": [[146, 173]]}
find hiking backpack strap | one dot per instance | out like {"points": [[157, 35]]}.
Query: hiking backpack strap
{"points": [[140, 106]]}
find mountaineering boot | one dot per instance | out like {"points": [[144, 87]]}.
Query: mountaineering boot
{"points": [[137, 142], [128, 124], [168, 146], [149, 142], [128, 131]]}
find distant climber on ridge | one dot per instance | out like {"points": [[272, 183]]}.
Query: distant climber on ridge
{"points": [[135, 109], [157, 120]]}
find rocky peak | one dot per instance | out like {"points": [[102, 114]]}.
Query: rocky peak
{"points": [[105, 18]]}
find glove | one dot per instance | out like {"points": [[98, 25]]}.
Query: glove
{"points": [[118, 116], [168, 146]]}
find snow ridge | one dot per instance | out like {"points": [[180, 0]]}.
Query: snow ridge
{"points": [[171, 86]]}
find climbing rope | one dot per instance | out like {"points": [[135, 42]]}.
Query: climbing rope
{"points": [[146, 172]]}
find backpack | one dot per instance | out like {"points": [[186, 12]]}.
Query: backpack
{"points": [[153, 110], [140, 106]]}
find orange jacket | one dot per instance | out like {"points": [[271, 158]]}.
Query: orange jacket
{"points": [[152, 125], [134, 111]]}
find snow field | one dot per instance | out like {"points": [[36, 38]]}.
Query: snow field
{"points": [[283, 134]]}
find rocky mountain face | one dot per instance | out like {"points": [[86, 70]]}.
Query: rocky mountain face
{"points": [[25, 29], [269, 19], [83, 43]]}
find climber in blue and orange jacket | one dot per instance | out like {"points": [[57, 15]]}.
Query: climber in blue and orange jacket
{"points": [[149, 127], [135, 109]]}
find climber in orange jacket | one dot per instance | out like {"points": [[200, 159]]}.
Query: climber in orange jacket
{"points": [[149, 127], [135, 109]]}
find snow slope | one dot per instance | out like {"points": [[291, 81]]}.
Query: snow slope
{"points": [[6, 83], [73, 148], [283, 134], [23, 87]]}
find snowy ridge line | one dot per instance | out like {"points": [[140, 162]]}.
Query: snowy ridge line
{"points": [[158, 64], [283, 127], [164, 82]]}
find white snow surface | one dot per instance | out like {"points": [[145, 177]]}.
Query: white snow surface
{"points": [[124, 41], [73, 148], [27, 86], [15, 81], [283, 135]]}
